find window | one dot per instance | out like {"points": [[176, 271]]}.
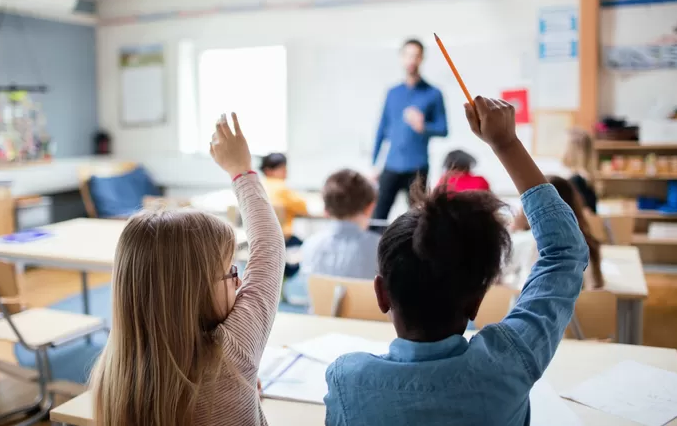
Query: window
{"points": [[251, 82]]}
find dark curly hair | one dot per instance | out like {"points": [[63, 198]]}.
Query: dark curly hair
{"points": [[442, 254]]}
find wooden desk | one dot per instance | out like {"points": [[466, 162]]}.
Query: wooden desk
{"points": [[79, 244], [574, 362], [218, 202], [624, 276]]}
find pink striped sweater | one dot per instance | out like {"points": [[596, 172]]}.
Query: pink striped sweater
{"points": [[235, 400]]}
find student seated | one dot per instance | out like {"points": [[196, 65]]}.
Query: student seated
{"points": [[580, 159], [594, 278], [286, 200], [436, 263], [345, 248], [458, 166], [187, 333]]}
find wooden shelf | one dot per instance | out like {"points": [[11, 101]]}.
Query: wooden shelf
{"points": [[643, 239], [601, 176], [653, 214], [632, 146]]}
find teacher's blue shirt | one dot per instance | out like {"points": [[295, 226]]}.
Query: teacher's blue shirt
{"points": [[409, 149]]}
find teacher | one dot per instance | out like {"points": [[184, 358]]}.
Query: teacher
{"points": [[412, 114]]}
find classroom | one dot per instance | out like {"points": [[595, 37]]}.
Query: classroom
{"points": [[339, 212]]}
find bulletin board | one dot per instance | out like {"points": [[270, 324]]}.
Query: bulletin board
{"points": [[550, 132], [142, 83]]}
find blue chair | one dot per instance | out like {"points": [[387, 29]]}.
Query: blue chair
{"points": [[115, 191]]}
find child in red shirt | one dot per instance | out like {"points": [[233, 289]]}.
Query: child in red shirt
{"points": [[458, 173]]}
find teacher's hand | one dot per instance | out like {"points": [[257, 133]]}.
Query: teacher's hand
{"points": [[415, 119]]}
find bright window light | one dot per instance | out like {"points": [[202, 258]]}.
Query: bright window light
{"points": [[251, 82]]}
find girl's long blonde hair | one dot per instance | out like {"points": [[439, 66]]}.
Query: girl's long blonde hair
{"points": [[578, 156], [163, 346]]}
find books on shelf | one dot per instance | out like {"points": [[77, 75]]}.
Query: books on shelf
{"points": [[662, 231]]}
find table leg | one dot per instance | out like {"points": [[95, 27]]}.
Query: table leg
{"points": [[637, 318], [85, 298], [630, 317], [623, 321], [85, 292]]}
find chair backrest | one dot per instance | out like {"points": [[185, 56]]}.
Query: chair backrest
{"points": [[495, 306], [9, 280], [344, 298], [615, 229], [595, 314], [103, 170]]}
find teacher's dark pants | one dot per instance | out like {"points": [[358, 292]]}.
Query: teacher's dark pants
{"points": [[390, 184]]}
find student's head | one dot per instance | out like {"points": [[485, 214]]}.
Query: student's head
{"points": [[348, 195], [412, 56], [570, 195], [274, 165], [578, 155], [172, 285], [437, 261], [459, 161]]}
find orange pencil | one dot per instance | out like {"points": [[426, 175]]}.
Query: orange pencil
{"points": [[454, 70]]}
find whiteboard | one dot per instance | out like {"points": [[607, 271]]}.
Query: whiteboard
{"points": [[336, 96], [142, 75]]}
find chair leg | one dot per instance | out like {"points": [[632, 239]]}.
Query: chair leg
{"points": [[35, 411], [26, 410], [46, 398]]}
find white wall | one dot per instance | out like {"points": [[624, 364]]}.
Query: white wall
{"points": [[463, 23], [471, 24]]}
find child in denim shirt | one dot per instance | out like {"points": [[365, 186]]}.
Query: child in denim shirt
{"points": [[436, 263]]}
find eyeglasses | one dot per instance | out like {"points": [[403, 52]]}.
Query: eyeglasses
{"points": [[231, 274]]}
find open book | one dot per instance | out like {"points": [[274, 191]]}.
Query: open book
{"points": [[297, 373]]}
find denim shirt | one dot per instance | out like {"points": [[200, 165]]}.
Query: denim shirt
{"points": [[484, 381]]}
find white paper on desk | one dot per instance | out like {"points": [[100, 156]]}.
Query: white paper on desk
{"points": [[303, 381], [328, 347], [548, 409], [274, 360], [609, 268], [631, 390]]}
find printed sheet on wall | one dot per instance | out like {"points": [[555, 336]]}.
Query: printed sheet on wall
{"points": [[142, 75]]}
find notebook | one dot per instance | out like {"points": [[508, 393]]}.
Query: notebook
{"points": [[290, 376], [548, 409], [328, 347], [297, 372], [25, 236], [637, 392]]}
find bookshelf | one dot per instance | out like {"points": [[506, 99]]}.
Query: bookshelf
{"points": [[622, 172]]}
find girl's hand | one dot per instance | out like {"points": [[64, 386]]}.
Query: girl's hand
{"points": [[493, 121], [230, 150]]}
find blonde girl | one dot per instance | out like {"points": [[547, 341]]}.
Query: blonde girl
{"points": [[579, 158], [187, 334]]}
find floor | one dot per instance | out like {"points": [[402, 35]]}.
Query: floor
{"points": [[660, 316], [35, 294]]}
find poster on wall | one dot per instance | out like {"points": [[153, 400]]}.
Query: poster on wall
{"points": [[142, 73], [518, 98], [551, 132], [557, 73]]}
